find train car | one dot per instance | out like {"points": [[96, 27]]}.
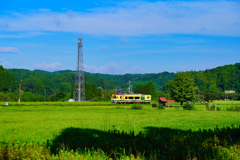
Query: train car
{"points": [[130, 99]]}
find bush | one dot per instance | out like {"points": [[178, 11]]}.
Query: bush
{"points": [[58, 96], [136, 106], [95, 99], [161, 106], [188, 106], [154, 105], [177, 107], [119, 107], [233, 109], [212, 108], [207, 107]]}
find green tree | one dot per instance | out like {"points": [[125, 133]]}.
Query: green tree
{"points": [[146, 89], [3, 96], [151, 89], [167, 87], [210, 96], [88, 91], [94, 90], [58, 96], [138, 88], [63, 87], [182, 88], [99, 92], [40, 98], [233, 96], [7, 80], [28, 97], [39, 86]]}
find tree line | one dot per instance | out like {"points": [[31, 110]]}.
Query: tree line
{"points": [[7, 80], [200, 86], [92, 93], [209, 84]]}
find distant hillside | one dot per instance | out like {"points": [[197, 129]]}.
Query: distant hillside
{"points": [[158, 79], [223, 78], [217, 79], [54, 82], [7, 80], [121, 81], [220, 78]]}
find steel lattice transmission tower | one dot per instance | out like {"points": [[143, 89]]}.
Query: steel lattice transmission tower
{"points": [[79, 91]]}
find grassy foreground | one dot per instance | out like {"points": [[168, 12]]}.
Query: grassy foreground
{"points": [[54, 129]]}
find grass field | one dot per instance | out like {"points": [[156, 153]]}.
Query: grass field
{"points": [[47, 121]]}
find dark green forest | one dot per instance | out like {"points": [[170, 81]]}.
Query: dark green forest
{"points": [[7, 80], [59, 85], [213, 82], [158, 79]]}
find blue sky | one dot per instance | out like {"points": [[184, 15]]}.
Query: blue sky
{"points": [[120, 36]]}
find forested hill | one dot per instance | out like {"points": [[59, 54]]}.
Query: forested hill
{"points": [[122, 81], [217, 79], [54, 82], [223, 78], [220, 78], [63, 81], [7, 80], [158, 79]]}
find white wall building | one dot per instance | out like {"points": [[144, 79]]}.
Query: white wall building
{"points": [[229, 91]]}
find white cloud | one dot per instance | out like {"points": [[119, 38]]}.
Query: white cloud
{"points": [[49, 67], [103, 47], [44, 10], [127, 19], [110, 68], [9, 50], [24, 35], [137, 70], [5, 64], [182, 68], [123, 40]]}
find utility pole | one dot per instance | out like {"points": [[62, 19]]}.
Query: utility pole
{"points": [[9, 94], [45, 95], [19, 100], [130, 87], [198, 95]]}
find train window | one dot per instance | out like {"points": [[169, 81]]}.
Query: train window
{"points": [[137, 98], [148, 97], [142, 97], [130, 97], [114, 97], [126, 97]]}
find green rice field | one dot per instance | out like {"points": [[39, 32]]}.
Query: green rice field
{"points": [[42, 122]]}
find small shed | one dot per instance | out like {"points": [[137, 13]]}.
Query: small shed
{"points": [[163, 100]]}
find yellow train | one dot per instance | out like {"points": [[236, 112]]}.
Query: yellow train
{"points": [[130, 99]]}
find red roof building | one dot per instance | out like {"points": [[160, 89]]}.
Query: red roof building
{"points": [[163, 100]]}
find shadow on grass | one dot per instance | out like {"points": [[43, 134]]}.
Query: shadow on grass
{"points": [[156, 143]]}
